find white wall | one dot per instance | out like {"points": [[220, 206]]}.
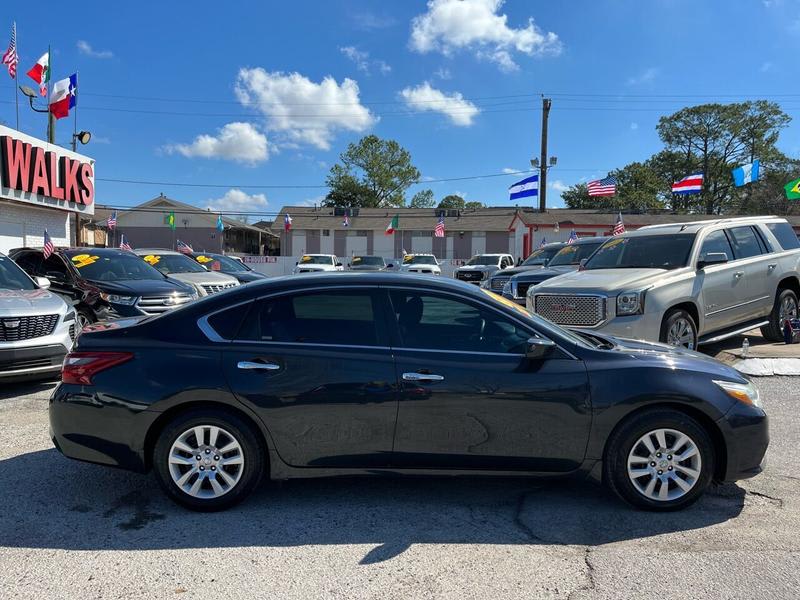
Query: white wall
{"points": [[382, 244], [283, 265], [478, 243], [22, 225], [326, 243]]}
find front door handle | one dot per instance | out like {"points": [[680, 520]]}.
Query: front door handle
{"points": [[422, 377], [771, 266], [257, 366], [738, 274]]}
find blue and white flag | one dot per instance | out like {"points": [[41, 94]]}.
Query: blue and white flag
{"points": [[746, 174], [527, 188], [220, 224]]}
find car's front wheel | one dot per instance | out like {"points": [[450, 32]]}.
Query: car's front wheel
{"points": [[660, 459], [785, 307], [679, 329], [208, 459]]}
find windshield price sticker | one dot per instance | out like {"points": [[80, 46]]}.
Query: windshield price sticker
{"points": [[83, 260], [152, 259], [204, 259]]}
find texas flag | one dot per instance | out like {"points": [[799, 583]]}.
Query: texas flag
{"points": [[64, 96]]}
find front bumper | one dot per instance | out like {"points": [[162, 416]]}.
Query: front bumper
{"points": [[38, 357], [633, 327], [745, 430]]}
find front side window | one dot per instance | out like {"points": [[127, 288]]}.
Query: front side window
{"points": [[716, 242], [744, 241], [573, 254], [669, 251]]}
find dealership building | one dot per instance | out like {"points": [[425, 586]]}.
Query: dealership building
{"points": [[42, 187]]}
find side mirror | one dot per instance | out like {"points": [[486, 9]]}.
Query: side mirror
{"points": [[296, 263], [390, 266], [340, 264], [43, 282], [348, 265], [712, 258], [539, 348], [582, 264]]}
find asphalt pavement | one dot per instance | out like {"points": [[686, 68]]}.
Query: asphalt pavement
{"points": [[72, 530]]}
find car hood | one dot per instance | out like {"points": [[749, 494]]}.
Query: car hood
{"points": [[367, 268], [600, 280], [520, 269], [142, 287], [30, 302], [478, 268], [315, 267], [209, 277], [542, 274]]}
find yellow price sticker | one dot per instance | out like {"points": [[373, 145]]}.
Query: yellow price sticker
{"points": [[356, 260], [204, 259], [152, 259], [83, 260], [306, 259]]}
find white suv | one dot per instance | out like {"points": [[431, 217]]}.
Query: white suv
{"points": [[317, 263], [420, 263], [683, 284]]}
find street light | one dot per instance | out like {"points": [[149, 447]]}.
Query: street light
{"points": [[51, 123], [31, 94], [82, 136]]}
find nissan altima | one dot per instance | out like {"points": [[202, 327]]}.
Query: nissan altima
{"points": [[350, 373]]}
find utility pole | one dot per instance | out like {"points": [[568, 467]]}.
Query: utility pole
{"points": [[546, 102]]}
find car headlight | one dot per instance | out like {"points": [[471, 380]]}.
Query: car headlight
{"points": [[70, 316], [117, 299], [507, 288], [746, 393], [630, 303]]}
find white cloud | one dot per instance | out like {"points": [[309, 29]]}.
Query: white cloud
{"points": [[510, 170], [646, 77], [302, 111], [370, 22], [634, 126], [240, 142], [237, 201], [557, 185], [476, 26], [86, 49], [362, 61], [443, 73], [426, 98]]}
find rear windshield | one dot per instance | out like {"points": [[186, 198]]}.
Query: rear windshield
{"points": [[540, 256], [173, 263], [669, 251], [12, 277], [112, 267], [573, 254]]}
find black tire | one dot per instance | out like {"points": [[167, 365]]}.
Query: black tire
{"points": [[626, 436], [85, 317], [245, 434], [672, 316], [774, 331]]}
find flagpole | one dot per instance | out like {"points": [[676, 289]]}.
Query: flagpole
{"points": [[51, 122], [75, 120], [16, 73]]}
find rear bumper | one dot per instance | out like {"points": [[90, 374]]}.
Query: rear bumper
{"points": [[746, 433]]}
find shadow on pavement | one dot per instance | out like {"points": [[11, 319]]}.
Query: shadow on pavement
{"points": [[17, 390], [52, 502]]}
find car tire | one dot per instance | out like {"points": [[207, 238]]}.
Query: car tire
{"points": [[85, 317], [784, 300], [235, 471], [628, 456], [679, 325]]}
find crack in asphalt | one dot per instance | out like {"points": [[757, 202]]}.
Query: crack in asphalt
{"points": [[779, 501], [591, 584], [521, 525]]}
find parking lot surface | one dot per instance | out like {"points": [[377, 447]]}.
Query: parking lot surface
{"points": [[73, 530]]}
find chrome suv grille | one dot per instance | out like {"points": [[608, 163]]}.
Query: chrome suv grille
{"points": [[155, 305], [469, 275], [578, 311], [13, 329], [214, 288], [497, 283]]}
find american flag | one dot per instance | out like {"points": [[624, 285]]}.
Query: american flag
{"points": [[543, 243], [123, 245], [111, 222], [287, 222], [10, 57], [603, 187], [573, 237], [48, 246], [619, 226], [184, 248], [438, 231]]}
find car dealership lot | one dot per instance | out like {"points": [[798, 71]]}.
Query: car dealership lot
{"points": [[73, 530]]}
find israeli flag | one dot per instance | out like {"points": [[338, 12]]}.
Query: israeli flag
{"points": [[526, 188], [745, 174]]}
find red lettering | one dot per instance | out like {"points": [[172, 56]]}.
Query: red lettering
{"points": [[69, 179], [87, 193], [39, 183], [52, 173], [16, 163]]}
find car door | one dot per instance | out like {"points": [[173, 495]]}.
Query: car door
{"points": [[315, 365], [469, 397], [751, 272], [719, 293]]}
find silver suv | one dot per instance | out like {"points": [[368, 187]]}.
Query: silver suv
{"points": [[683, 284], [482, 266], [36, 326]]}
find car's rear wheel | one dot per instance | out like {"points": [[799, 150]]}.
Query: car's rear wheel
{"points": [[785, 307], [660, 459], [679, 329], [208, 459]]}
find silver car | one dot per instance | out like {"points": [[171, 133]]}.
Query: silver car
{"points": [[37, 327], [482, 266]]}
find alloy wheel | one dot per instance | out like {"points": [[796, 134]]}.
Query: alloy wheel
{"points": [[664, 465], [206, 461], [681, 334], [788, 309]]}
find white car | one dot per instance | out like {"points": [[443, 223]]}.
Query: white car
{"points": [[181, 268], [420, 263], [481, 267], [317, 263]]}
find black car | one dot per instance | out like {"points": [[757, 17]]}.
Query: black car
{"points": [[353, 373], [566, 260], [104, 283], [538, 259], [230, 266]]}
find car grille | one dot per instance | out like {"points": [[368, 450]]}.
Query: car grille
{"points": [[497, 283], [469, 275], [579, 311], [522, 289], [155, 305], [214, 288], [13, 329]]}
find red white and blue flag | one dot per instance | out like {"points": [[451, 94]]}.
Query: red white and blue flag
{"points": [[691, 184], [438, 231], [573, 237], [64, 96], [11, 58], [123, 245], [603, 187], [619, 226], [543, 243], [287, 222], [111, 222], [184, 248], [346, 220], [48, 247]]}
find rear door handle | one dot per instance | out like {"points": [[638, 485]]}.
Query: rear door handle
{"points": [[422, 377], [738, 274], [772, 266], [257, 366]]}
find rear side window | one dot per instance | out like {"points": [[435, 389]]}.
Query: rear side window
{"points": [[227, 322], [744, 241], [716, 242], [785, 235]]}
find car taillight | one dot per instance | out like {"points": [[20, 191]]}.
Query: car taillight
{"points": [[80, 367]]}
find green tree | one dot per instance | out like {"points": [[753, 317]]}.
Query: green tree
{"points": [[639, 188], [371, 173], [452, 201], [423, 199], [577, 197], [474, 205]]}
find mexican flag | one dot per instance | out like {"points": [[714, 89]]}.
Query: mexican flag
{"points": [[792, 189], [40, 72], [392, 226]]}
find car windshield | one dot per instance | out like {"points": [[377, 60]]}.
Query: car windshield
{"points": [[316, 260], [668, 251], [12, 277], [104, 266], [573, 254], [540, 257], [372, 261], [173, 263], [484, 259], [419, 260], [220, 262]]}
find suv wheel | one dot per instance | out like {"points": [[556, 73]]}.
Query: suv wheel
{"points": [[785, 307], [679, 329], [208, 459], [659, 460]]}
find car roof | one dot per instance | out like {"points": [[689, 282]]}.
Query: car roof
{"points": [[695, 226], [143, 251], [492, 254], [598, 239]]}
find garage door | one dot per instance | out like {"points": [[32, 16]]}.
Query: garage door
{"points": [[12, 235]]}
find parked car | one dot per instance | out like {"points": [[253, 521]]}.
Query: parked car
{"points": [[180, 267], [104, 283], [433, 375], [368, 263], [538, 259], [683, 284], [420, 263], [566, 260], [482, 266], [229, 265], [36, 326], [317, 263]]}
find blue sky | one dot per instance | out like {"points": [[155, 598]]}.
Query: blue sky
{"points": [[204, 93]]}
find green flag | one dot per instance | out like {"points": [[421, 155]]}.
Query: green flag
{"points": [[170, 220], [792, 189]]}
